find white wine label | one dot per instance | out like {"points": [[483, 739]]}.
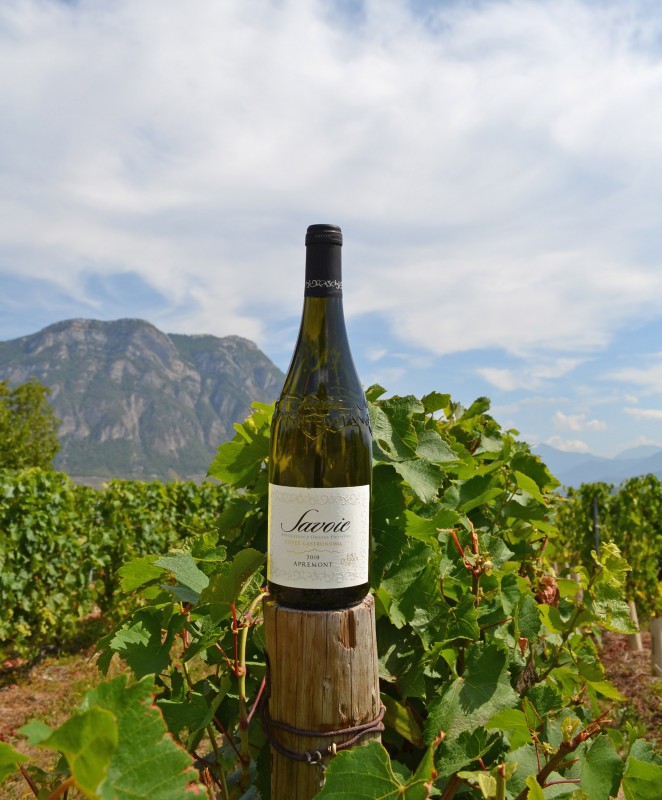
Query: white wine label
{"points": [[318, 538]]}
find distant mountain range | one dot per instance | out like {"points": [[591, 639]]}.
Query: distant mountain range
{"points": [[134, 402], [573, 469]]}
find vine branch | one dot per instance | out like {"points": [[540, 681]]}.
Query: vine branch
{"points": [[557, 761]]}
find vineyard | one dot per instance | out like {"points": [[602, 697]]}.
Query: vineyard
{"points": [[492, 603], [62, 545], [630, 516]]}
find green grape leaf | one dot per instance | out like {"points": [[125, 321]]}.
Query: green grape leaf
{"points": [[485, 782], [141, 642], [366, 773], [473, 699], [191, 581], [607, 689], [433, 448], [463, 750], [535, 790], [496, 548], [374, 392], [240, 461], [641, 780], [388, 526], [403, 576], [236, 464], [192, 713], [400, 660], [516, 725], [611, 611], [453, 622], [105, 653], [552, 619], [545, 700], [147, 764], [427, 530], [422, 476], [528, 485], [479, 407], [235, 512], [526, 761], [567, 588], [10, 760], [531, 466], [425, 774], [402, 719], [642, 750], [527, 616], [435, 401], [139, 572], [412, 560], [228, 584], [478, 491], [602, 770], [36, 731], [421, 606], [393, 434], [205, 549], [88, 741], [613, 567]]}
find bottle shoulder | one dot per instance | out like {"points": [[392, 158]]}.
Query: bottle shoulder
{"points": [[330, 410]]}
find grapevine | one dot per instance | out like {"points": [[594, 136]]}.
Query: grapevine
{"points": [[489, 660]]}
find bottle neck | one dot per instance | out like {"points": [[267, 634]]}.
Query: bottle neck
{"points": [[323, 321], [323, 270], [322, 362]]}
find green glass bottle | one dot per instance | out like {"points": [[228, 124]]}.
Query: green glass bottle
{"points": [[320, 462]]}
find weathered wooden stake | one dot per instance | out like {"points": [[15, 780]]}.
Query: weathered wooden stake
{"points": [[656, 646], [322, 676], [634, 639]]}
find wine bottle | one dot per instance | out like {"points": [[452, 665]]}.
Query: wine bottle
{"points": [[320, 461]]}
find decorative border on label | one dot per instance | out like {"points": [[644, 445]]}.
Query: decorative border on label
{"points": [[322, 497], [319, 284]]}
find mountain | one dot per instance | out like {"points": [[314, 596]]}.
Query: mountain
{"points": [[134, 402], [640, 451], [573, 469]]}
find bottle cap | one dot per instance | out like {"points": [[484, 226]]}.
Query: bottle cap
{"points": [[323, 234]]}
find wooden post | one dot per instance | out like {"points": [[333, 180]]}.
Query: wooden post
{"points": [[322, 676], [634, 639], [656, 646]]}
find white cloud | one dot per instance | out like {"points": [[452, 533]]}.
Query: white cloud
{"points": [[648, 377], [567, 445], [376, 354], [536, 374], [641, 414], [595, 425], [645, 440], [577, 422], [504, 379], [497, 178], [388, 376]]}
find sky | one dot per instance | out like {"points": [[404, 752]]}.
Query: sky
{"points": [[496, 168]]}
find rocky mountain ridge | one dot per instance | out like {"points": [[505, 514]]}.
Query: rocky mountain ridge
{"points": [[134, 402]]}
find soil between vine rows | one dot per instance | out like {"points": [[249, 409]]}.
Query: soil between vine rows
{"points": [[631, 674], [51, 688], [47, 691]]}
